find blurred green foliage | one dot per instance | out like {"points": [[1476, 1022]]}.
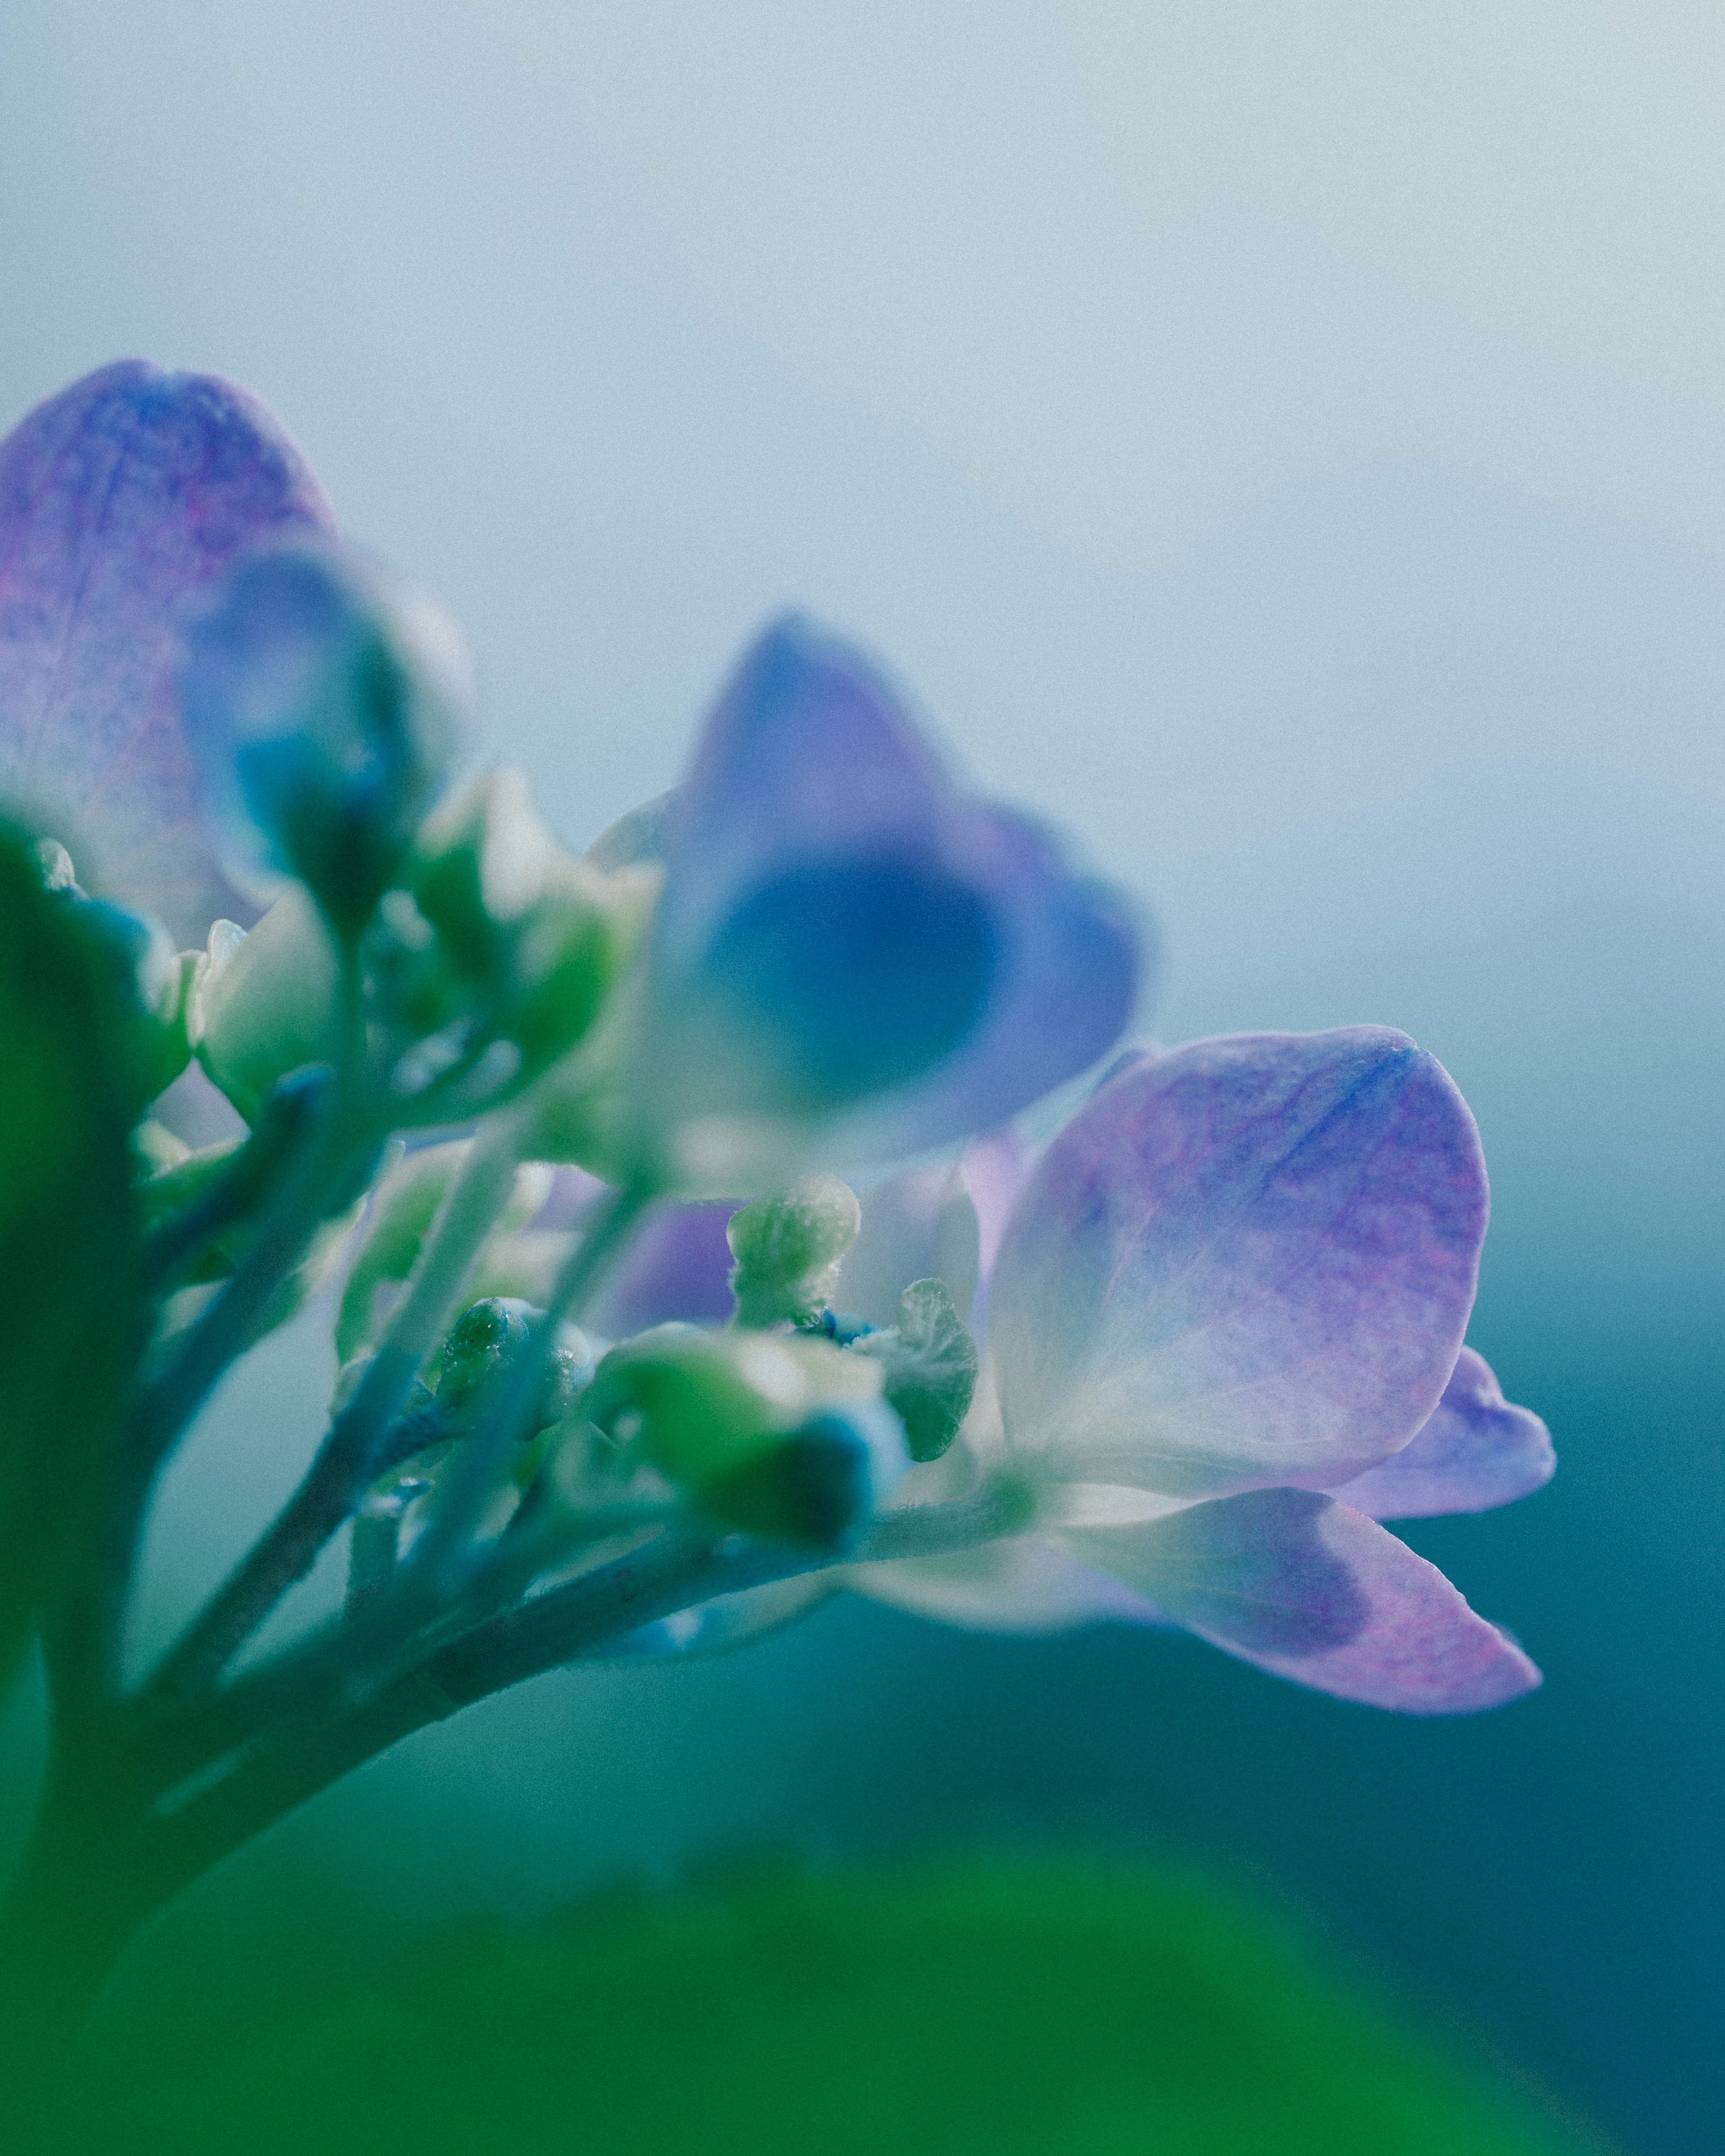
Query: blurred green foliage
{"points": [[1063, 2004], [70, 1304]]}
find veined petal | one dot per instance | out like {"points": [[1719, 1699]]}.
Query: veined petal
{"points": [[1313, 1590], [122, 501], [1023, 1585], [1477, 1450], [848, 958], [1248, 1262]]}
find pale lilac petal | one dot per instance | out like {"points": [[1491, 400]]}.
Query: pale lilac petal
{"points": [[678, 1266], [919, 1225], [1023, 1585], [1312, 1590], [1247, 1262], [996, 1168], [122, 502], [1477, 1450]]}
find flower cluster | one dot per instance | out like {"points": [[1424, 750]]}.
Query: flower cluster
{"points": [[625, 1368]]}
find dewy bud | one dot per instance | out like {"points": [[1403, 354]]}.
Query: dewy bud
{"points": [[483, 1343], [789, 1248], [266, 1003], [324, 704], [704, 1404]]}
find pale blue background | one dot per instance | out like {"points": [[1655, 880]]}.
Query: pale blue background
{"points": [[1285, 442]]}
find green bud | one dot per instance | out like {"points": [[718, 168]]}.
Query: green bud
{"points": [[929, 1366], [484, 1343], [264, 1003], [704, 1404], [789, 1248], [403, 1205], [497, 925]]}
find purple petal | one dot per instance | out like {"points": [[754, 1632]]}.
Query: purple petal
{"points": [[841, 937], [678, 1266], [1247, 1262], [1477, 1450], [1312, 1590], [1024, 1584], [122, 501]]}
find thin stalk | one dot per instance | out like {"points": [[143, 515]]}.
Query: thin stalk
{"points": [[351, 1455]]}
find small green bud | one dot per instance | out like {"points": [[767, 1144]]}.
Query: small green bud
{"points": [[264, 1003], [497, 926], [929, 1366], [703, 1405], [403, 1205], [483, 1344], [789, 1248]]}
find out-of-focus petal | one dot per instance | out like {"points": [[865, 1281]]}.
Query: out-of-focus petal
{"points": [[1070, 972], [1477, 1450], [1315, 1591], [678, 1266], [996, 1169], [122, 501], [919, 1225], [1024, 1584], [1247, 1262], [844, 945], [322, 701], [727, 1621]]}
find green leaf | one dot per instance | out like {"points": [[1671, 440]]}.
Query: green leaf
{"points": [[1059, 2007], [70, 1303], [930, 1367]]}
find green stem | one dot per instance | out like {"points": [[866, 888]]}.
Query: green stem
{"points": [[346, 1460]]}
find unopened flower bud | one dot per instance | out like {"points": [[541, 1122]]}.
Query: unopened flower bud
{"points": [[704, 1404], [788, 1248], [324, 703], [266, 1003], [822, 1484], [484, 1343]]}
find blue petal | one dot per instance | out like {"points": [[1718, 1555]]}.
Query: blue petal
{"points": [[847, 944]]}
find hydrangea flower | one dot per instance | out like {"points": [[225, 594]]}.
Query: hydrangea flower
{"points": [[1226, 1340], [124, 502], [1224, 1312]]}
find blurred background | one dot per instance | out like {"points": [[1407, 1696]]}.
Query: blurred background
{"points": [[1286, 445]]}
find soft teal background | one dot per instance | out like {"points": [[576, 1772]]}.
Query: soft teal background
{"points": [[1284, 442]]}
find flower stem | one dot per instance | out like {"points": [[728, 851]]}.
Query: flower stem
{"points": [[347, 1459]]}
